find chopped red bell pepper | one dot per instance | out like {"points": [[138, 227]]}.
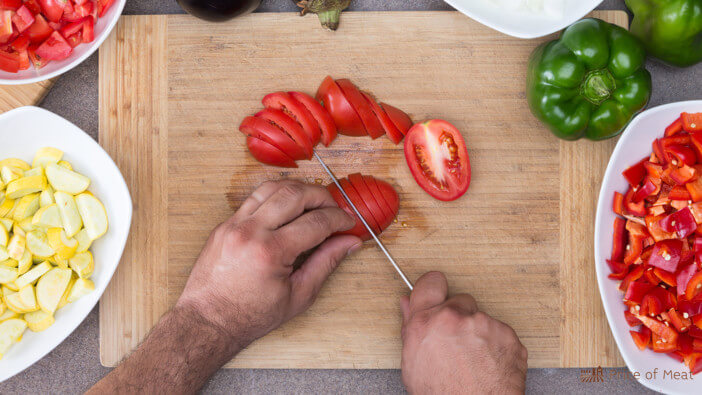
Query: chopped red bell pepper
{"points": [[631, 319], [685, 274], [640, 339], [676, 355], [695, 332], [695, 189], [681, 155], [637, 290], [680, 323], [618, 268], [651, 304], [634, 248], [681, 222], [694, 286], [691, 122], [697, 345], [660, 329], [674, 128], [695, 363], [679, 192], [632, 276], [655, 229], [647, 189], [682, 175], [637, 209], [696, 320], [665, 276], [666, 255], [658, 151], [635, 173], [618, 203], [692, 308], [653, 170], [619, 239]]}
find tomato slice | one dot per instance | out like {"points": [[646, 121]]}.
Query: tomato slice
{"points": [[358, 230], [401, 120], [388, 193], [362, 107], [23, 19], [378, 195], [437, 157], [284, 102], [268, 154], [9, 62], [345, 117], [39, 30], [356, 180], [389, 127], [268, 132], [360, 204], [289, 126], [54, 48], [320, 114]]}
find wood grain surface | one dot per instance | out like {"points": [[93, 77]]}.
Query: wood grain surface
{"points": [[520, 241], [13, 96]]}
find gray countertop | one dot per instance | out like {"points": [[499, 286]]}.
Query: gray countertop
{"points": [[75, 365]]}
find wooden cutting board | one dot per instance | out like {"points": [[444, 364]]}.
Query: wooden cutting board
{"points": [[520, 240], [13, 96]]}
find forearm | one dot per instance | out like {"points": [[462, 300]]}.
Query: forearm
{"points": [[178, 356]]}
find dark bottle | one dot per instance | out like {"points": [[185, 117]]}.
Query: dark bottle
{"points": [[218, 10]]}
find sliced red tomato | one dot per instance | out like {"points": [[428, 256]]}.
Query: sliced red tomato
{"points": [[88, 30], [389, 127], [345, 117], [9, 62], [384, 206], [320, 114], [54, 48], [33, 6], [401, 120], [103, 6], [10, 4], [268, 154], [36, 60], [356, 179], [72, 28], [6, 26], [289, 126], [52, 9], [358, 230], [268, 132], [39, 30], [362, 107], [284, 102], [388, 193], [23, 19], [360, 204], [438, 159]]}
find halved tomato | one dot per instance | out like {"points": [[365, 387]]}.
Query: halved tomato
{"points": [[401, 120], [438, 159], [324, 119], [362, 107], [345, 117], [284, 102], [391, 130], [360, 204], [268, 154], [388, 193], [266, 131], [356, 180], [289, 126]]}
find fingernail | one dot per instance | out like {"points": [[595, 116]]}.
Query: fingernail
{"points": [[354, 248]]}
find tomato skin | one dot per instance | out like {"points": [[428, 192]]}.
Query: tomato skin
{"points": [[363, 109], [356, 180], [388, 213], [266, 131], [268, 154], [401, 120], [289, 126], [320, 114], [360, 204], [345, 117], [54, 48], [358, 230], [389, 127], [39, 30], [295, 110], [423, 143], [9, 62], [52, 9], [23, 19], [388, 193]]}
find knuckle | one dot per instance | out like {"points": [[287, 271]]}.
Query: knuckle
{"points": [[449, 316], [319, 219], [292, 191], [481, 323]]}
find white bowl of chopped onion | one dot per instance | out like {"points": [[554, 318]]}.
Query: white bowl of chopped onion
{"points": [[525, 18]]}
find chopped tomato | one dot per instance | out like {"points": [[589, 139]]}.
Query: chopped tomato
{"points": [[398, 117], [5, 26], [295, 110], [268, 154], [9, 62], [356, 179], [23, 19], [39, 30], [290, 128], [321, 115], [438, 159], [389, 127], [272, 134], [52, 9], [363, 109], [54, 48], [103, 6]]}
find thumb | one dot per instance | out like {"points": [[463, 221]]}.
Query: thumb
{"points": [[429, 291], [404, 307], [309, 278]]}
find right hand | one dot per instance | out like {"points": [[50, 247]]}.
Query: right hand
{"points": [[451, 347]]}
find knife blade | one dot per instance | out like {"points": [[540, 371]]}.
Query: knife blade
{"points": [[363, 220]]}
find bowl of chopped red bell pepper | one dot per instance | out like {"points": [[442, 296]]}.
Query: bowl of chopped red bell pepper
{"points": [[41, 39], [648, 246]]}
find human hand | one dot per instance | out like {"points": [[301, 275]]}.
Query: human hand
{"points": [[243, 280], [451, 347]]}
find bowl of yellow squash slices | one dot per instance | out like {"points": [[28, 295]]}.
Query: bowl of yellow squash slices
{"points": [[65, 213]]}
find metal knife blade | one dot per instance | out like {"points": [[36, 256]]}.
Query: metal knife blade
{"points": [[363, 220]]}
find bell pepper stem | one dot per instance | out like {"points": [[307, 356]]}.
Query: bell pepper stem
{"points": [[598, 86]]}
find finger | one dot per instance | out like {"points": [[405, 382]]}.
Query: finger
{"points": [[309, 278], [312, 228], [464, 303], [258, 196], [290, 201], [404, 307], [430, 290]]}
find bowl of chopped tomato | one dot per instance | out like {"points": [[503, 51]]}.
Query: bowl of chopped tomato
{"points": [[41, 39], [648, 246]]}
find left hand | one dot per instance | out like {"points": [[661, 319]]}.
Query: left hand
{"points": [[243, 281]]}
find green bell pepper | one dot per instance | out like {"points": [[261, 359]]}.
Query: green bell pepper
{"points": [[589, 82], [671, 30]]}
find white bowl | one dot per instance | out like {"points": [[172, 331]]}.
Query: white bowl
{"points": [[521, 24], [103, 27], [22, 132], [635, 144]]}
